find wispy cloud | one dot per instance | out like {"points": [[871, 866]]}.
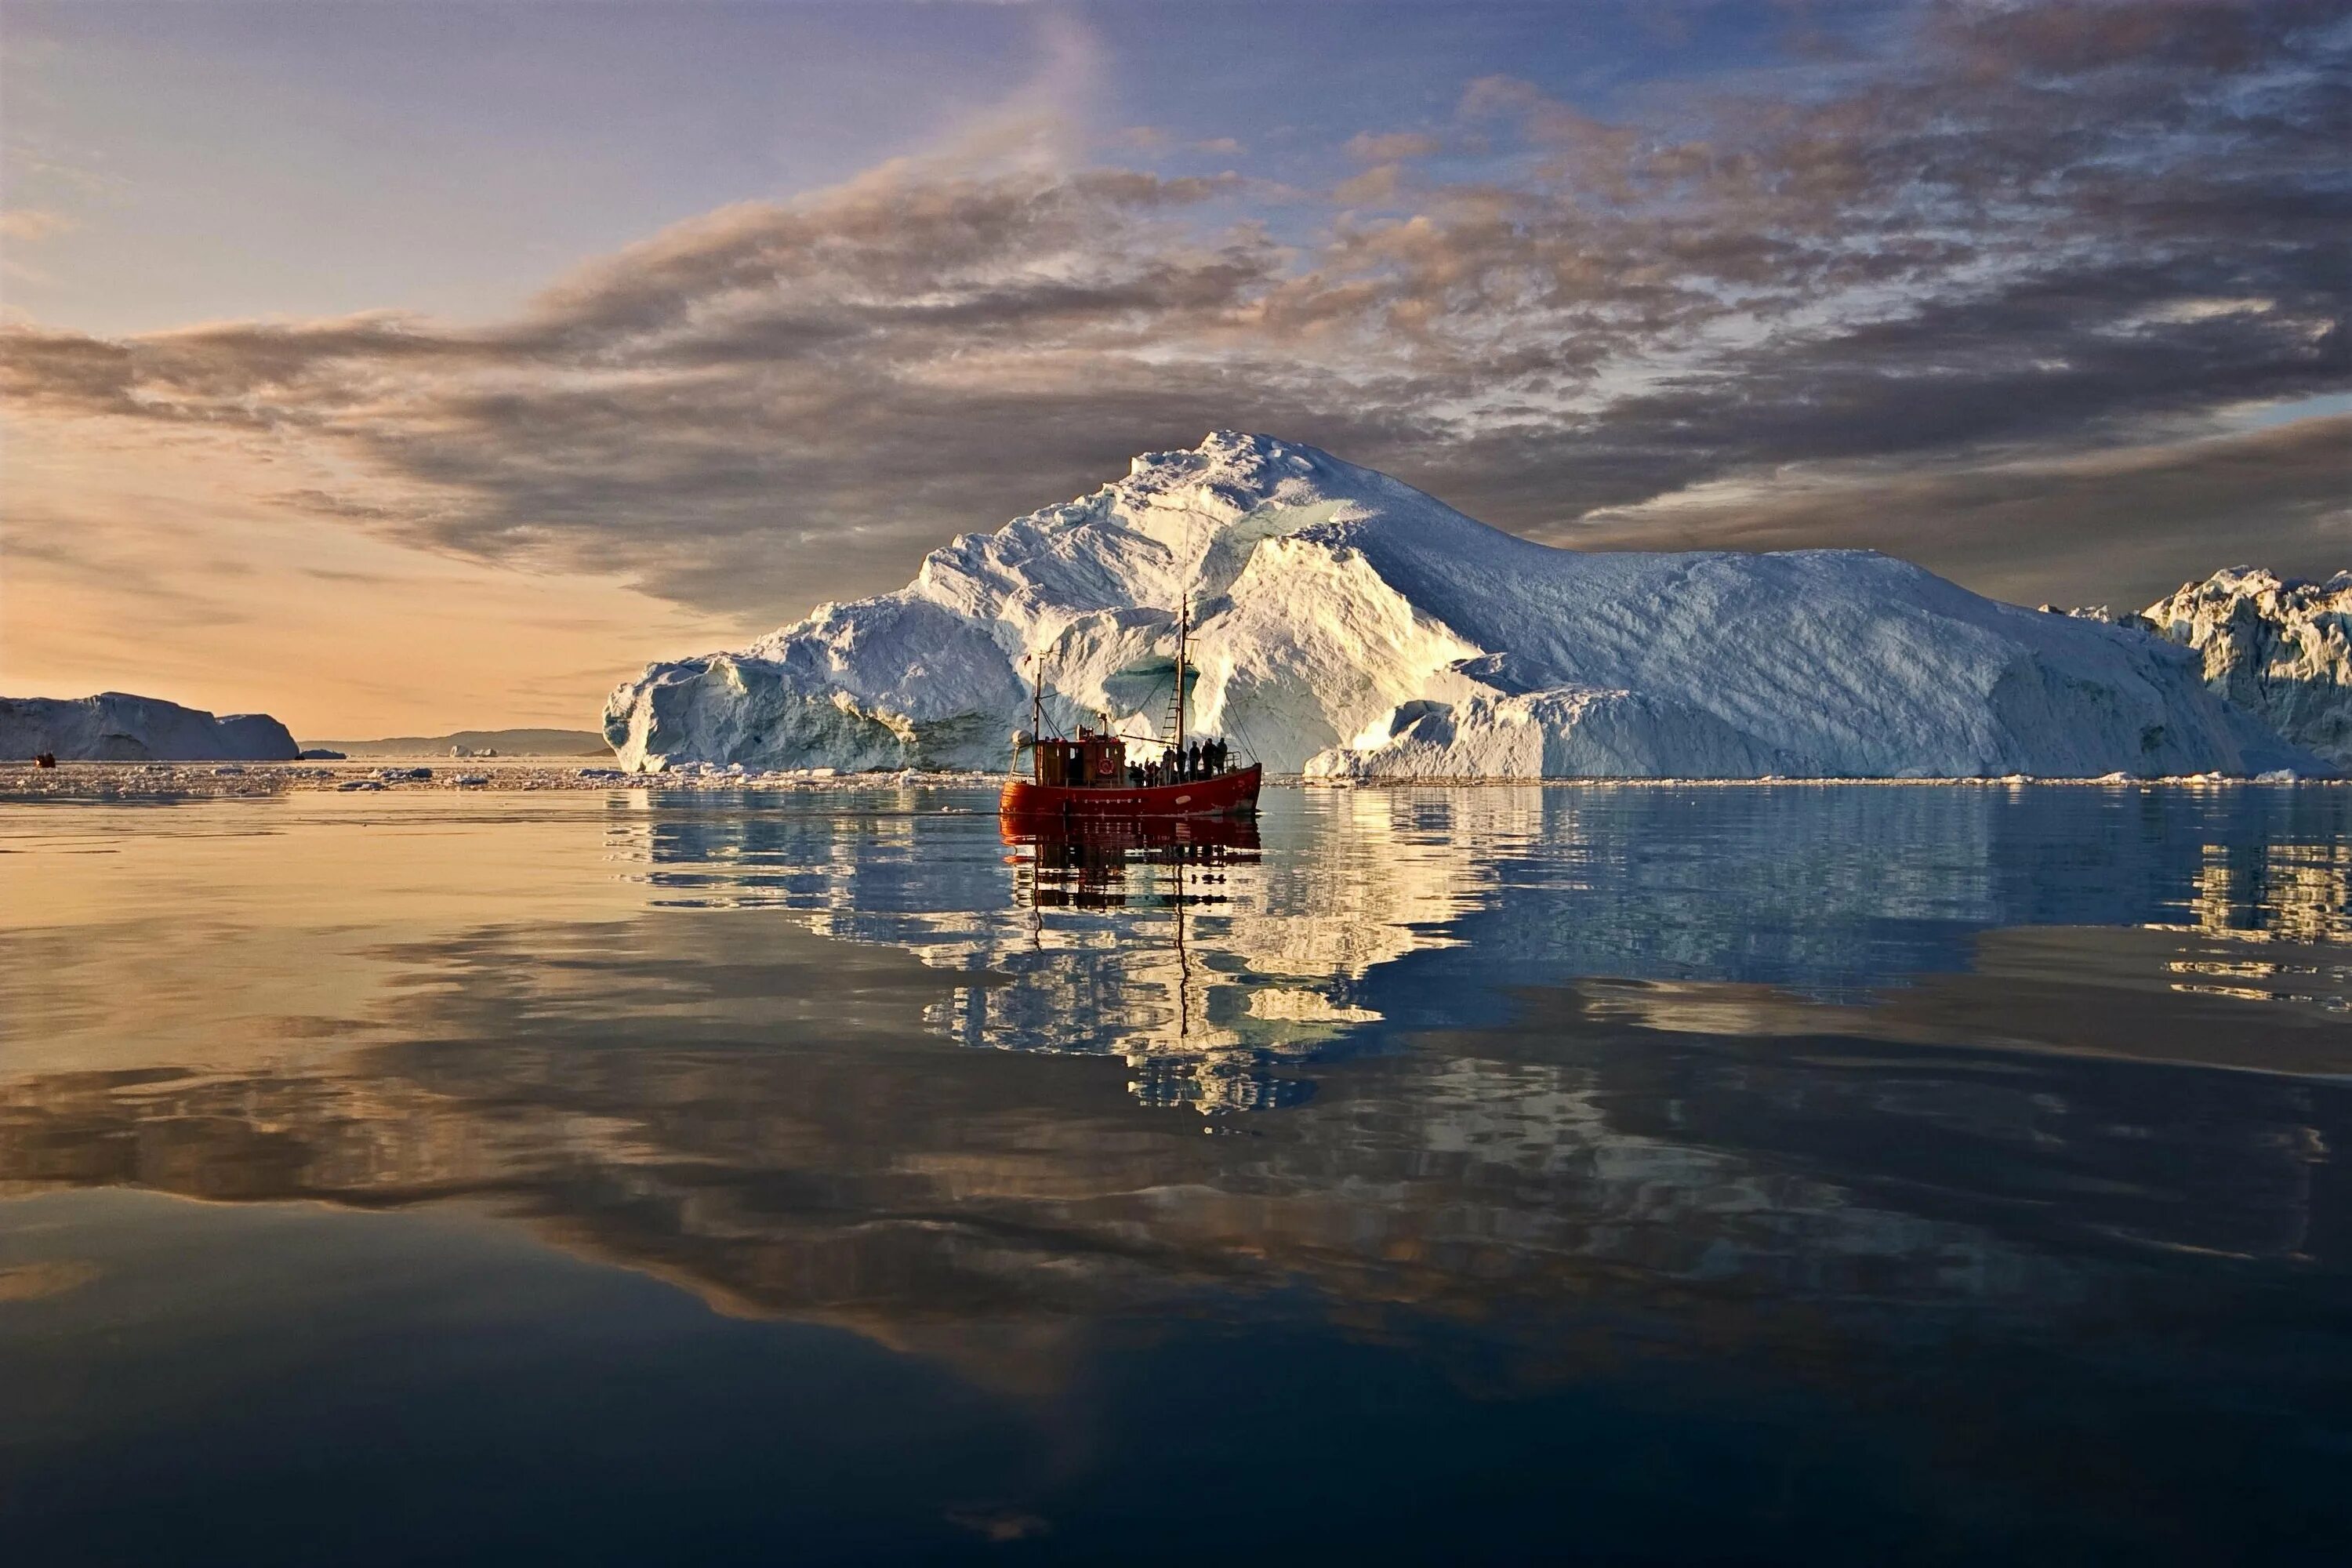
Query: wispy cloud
{"points": [[2117, 525], [29, 224]]}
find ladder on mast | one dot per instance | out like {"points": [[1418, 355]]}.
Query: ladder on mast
{"points": [[1176, 702]]}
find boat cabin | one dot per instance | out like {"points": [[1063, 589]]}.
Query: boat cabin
{"points": [[1092, 760]]}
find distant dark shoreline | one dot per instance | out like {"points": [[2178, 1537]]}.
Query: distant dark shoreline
{"points": [[505, 742]]}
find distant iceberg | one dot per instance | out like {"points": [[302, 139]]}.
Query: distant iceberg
{"points": [[1346, 624], [2280, 647], [115, 727]]}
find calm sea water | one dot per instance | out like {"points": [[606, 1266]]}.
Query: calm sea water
{"points": [[1769, 1174]]}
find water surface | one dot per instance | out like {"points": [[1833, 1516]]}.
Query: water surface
{"points": [[1771, 1173]]}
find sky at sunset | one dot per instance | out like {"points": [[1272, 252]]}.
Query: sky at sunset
{"points": [[397, 367]]}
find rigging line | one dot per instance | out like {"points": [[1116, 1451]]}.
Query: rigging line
{"points": [[1122, 733], [1249, 742], [1037, 709]]}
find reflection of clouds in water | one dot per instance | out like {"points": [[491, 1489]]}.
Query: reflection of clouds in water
{"points": [[826, 1166], [1733, 1198], [41, 1281], [765, 1112]]}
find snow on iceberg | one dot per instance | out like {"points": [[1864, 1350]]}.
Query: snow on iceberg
{"points": [[2280, 647], [115, 727], [1347, 626]]}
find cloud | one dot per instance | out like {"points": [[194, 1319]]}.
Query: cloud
{"points": [[1381, 185], [1942, 274], [25, 225], [1390, 146], [2122, 526]]}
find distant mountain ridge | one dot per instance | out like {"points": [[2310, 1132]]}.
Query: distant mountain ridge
{"points": [[506, 742], [1347, 625]]}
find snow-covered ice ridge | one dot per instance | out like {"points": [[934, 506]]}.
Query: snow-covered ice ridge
{"points": [[115, 727], [1346, 624]]}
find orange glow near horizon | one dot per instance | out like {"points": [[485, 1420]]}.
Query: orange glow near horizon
{"points": [[171, 571]]}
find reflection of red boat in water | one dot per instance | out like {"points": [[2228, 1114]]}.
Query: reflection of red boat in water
{"points": [[1156, 841], [1084, 861], [1093, 774]]}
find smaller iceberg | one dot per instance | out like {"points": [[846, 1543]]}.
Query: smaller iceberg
{"points": [[117, 727]]}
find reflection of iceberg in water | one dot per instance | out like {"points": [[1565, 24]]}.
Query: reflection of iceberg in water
{"points": [[2267, 907], [1210, 966], [1837, 893], [1148, 989], [1217, 970]]}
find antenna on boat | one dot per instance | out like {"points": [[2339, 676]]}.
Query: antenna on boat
{"points": [[1035, 736]]}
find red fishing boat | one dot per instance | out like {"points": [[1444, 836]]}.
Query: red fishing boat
{"points": [[1092, 775]]}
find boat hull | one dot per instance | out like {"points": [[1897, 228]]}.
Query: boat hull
{"points": [[1227, 794]]}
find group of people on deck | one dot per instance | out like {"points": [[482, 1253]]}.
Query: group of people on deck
{"points": [[1201, 760]]}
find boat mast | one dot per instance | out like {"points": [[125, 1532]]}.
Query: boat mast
{"points": [[1037, 718], [1184, 625]]}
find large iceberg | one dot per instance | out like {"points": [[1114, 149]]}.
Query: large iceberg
{"points": [[115, 727], [2280, 647], [1345, 624]]}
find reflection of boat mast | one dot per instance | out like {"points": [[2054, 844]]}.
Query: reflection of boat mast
{"points": [[1183, 958], [1036, 908]]}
